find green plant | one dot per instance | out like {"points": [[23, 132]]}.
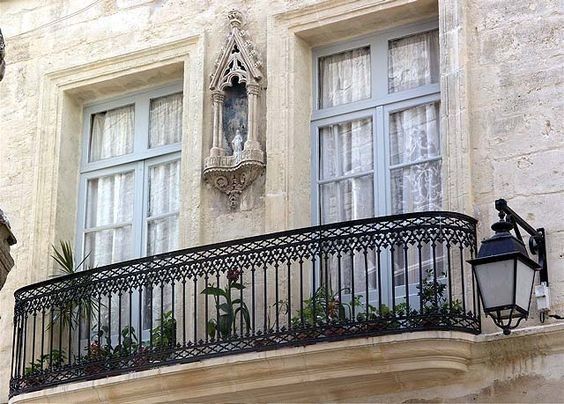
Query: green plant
{"points": [[70, 313], [164, 333], [129, 342], [54, 360], [324, 307], [225, 325]]}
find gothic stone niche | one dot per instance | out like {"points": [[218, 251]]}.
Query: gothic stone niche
{"points": [[236, 158]]}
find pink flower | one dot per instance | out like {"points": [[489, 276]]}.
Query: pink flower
{"points": [[233, 274]]}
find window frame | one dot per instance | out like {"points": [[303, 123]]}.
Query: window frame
{"points": [[138, 161], [380, 105]]}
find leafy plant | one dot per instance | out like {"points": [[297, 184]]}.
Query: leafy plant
{"points": [[54, 360], [129, 342], [164, 333], [225, 325], [69, 314], [324, 307]]}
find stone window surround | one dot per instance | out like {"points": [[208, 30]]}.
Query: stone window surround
{"points": [[291, 38], [60, 134]]}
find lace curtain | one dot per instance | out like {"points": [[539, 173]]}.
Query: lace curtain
{"points": [[112, 133], [413, 61], [344, 77], [165, 120], [414, 140], [347, 152]]}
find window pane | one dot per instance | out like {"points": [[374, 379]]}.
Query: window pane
{"points": [[110, 199], [108, 246], [162, 235], [164, 182], [414, 134], [112, 133], [344, 77], [416, 188], [413, 61], [165, 120], [348, 199], [346, 148]]}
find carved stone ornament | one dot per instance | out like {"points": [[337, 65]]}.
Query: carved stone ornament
{"points": [[236, 158], [2, 55]]}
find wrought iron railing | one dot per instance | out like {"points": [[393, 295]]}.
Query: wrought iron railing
{"points": [[360, 278]]}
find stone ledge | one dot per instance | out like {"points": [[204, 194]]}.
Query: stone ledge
{"points": [[331, 371], [386, 363]]}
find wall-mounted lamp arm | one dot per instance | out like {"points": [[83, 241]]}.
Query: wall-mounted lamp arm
{"points": [[537, 242]]}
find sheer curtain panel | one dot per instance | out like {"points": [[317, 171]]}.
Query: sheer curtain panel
{"points": [[413, 61], [112, 133], [344, 77]]}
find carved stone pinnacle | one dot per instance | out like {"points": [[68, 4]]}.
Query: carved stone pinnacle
{"points": [[235, 18]]}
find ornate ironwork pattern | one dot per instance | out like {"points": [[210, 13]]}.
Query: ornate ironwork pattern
{"points": [[296, 287]]}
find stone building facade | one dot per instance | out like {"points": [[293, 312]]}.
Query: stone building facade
{"points": [[500, 78]]}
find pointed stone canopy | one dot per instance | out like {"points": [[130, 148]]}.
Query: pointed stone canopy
{"points": [[238, 58]]}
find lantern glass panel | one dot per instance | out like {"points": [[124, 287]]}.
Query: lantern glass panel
{"points": [[525, 278], [495, 280]]}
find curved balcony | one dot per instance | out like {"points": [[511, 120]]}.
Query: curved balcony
{"points": [[361, 278]]}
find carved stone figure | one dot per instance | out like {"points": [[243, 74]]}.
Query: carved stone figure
{"points": [[237, 145]]}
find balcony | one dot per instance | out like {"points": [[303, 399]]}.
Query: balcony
{"points": [[363, 278]]}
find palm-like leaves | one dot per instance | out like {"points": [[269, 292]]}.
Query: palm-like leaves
{"points": [[83, 306]]}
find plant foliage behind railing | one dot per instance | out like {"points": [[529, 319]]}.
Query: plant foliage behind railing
{"points": [[291, 288]]}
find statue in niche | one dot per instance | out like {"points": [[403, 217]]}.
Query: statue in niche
{"points": [[237, 145], [235, 115], [236, 157]]}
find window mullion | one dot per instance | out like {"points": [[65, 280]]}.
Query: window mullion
{"points": [[142, 106], [380, 167], [379, 67], [139, 210]]}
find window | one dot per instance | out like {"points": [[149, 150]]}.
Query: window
{"points": [[376, 140], [130, 177]]}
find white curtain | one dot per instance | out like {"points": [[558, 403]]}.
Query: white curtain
{"points": [[344, 77], [109, 204], [346, 149], [414, 139], [165, 120], [164, 183], [413, 61], [112, 133], [416, 186]]}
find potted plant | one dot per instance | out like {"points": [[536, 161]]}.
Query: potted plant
{"points": [[37, 371], [163, 336], [323, 313], [225, 325]]}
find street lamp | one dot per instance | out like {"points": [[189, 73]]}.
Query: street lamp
{"points": [[504, 272]]}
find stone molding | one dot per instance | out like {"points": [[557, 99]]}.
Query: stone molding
{"points": [[331, 371]]}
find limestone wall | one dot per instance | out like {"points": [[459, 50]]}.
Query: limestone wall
{"points": [[501, 80]]}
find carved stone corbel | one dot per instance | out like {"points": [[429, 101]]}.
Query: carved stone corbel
{"points": [[236, 157], [2, 55]]}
